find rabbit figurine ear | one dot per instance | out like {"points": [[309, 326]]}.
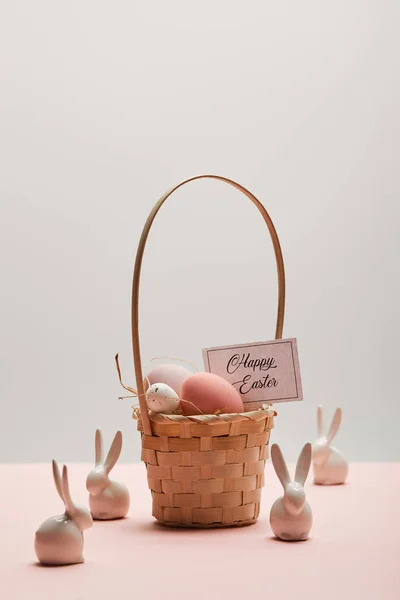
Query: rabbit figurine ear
{"points": [[98, 442], [69, 505], [334, 428], [57, 479], [303, 464], [320, 421], [114, 452], [280, 465]]}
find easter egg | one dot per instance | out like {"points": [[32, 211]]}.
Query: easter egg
{"points": [[209, 393], [172, 375], [162, 399]]}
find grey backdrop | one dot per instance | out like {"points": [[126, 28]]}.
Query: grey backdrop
{"points": [[106, 105]]}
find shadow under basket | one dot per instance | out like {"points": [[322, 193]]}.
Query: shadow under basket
{"points": [[207, 471]]}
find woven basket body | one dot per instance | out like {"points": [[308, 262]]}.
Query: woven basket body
{"points": [[207, 471]]}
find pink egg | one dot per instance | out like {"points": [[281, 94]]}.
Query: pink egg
{"points": [[172, 375], [209, 393]]}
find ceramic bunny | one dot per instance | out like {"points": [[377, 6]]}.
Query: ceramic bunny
{"points": [[59, 540], [330, 466], [107, 499], [291, 516]]}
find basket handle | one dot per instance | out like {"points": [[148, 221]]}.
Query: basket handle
{"points": [[136, 280]]}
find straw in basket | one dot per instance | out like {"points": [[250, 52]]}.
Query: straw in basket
{"points": [[206, 470]]}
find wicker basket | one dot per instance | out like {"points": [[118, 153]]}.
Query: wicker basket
{"points": [[207, 470]]}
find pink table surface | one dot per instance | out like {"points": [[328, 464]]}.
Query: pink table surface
{"points": [[354, 551]]}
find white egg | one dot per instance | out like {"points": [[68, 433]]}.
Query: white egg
{"points": [[162, 399]]}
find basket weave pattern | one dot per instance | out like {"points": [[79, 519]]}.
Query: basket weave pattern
{"points": [[207, 471]]}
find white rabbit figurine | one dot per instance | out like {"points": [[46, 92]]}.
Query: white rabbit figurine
{"points": [[107, 499], [330, 466], [59, 540], [291, 516]]}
